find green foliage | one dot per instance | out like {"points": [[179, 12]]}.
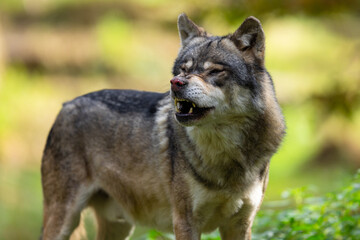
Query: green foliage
{"points": [[155, 235], [335, 216]]}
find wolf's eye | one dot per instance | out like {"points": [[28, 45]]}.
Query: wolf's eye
{"points": [[215, 71]]}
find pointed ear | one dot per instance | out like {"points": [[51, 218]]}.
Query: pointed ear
{"points": [[188, 30], [249, 38]]}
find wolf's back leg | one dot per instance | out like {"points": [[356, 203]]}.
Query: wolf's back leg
{"points": [[66, 185], [65, 195]]}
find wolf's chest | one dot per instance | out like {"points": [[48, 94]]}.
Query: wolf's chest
{"points": [[212, 208]]}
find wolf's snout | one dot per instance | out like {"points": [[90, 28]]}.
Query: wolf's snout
{"points": [[178, 83]]}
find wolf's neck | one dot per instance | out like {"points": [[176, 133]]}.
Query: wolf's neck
{"points": [[218, 144]]}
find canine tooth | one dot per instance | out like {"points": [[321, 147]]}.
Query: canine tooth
{"points": [[191, 110], [194, 105], [177, 105]]}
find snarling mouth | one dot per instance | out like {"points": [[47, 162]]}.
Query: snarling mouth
{"points": [[189, 111]]}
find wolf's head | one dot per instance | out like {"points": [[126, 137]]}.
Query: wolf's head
{"points": [[217, 78]]}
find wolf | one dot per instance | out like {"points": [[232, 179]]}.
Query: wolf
{"points": [[188, 161]]}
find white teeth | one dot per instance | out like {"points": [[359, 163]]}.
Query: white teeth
{"points": [[177, 106]]}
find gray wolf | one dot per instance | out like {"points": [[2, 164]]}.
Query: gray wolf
{"points": [[188, 161]]}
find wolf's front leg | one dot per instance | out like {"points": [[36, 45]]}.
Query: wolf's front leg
{"points": [[184, 230], [239, 227], [183, 222]]}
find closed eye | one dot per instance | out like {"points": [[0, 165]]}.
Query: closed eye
{"points": [[215, 71]]}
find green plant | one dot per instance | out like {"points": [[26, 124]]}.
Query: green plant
{"points": [[333, 217]]}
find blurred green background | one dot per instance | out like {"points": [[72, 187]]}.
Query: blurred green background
{"points": [[53, 51]]}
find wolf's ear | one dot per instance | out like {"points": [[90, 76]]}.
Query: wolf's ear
{"points": [[249, 38], [188, 30]]}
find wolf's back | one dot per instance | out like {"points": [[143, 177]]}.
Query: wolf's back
{"points": [[118, 122]]}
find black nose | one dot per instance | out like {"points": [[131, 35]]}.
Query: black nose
{"points": [[177, 83]]}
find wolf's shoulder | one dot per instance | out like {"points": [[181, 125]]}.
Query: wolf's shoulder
{"points": [[121, 101]]}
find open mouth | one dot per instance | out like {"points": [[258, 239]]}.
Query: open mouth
{"points": [[188, 111]]}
